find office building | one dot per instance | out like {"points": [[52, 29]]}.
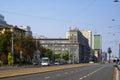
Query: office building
{"points": [[74, 43], [98, 46], [88, 35]]}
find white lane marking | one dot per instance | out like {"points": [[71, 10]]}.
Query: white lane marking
{"points": [[81, 78], [90, 73], [84, 76], [47, 77]]}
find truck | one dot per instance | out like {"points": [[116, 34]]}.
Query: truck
{"points": [[45, 61]]}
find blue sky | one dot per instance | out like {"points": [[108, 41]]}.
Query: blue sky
{"points": [[52, 18]]}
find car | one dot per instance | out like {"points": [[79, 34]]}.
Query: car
{"points": [[57, 63], [91, 62]]}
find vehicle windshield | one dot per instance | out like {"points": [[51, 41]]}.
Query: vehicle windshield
{"points": [[44, 60]]}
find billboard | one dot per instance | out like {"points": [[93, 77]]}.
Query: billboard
{"points": [[97, 42]]}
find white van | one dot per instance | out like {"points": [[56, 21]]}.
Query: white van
{"points": [[45, 61]]}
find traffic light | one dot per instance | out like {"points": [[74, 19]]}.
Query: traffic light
{"points": [[116, 1]]}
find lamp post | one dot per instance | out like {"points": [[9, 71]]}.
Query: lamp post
{"points": [[12, 48], [116, 1]]}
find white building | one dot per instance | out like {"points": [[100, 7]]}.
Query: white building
{"points": [[27, 29], [75, 43]]}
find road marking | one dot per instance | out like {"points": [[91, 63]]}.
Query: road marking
{"points": [[47, 77], [84, 76], [81, 78], [90, 73]]}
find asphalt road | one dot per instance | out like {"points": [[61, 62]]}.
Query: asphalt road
{"points": [[98, 72]]}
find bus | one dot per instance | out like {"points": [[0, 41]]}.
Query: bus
{"points": [[45, 61]]}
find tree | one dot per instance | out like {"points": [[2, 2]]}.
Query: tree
{"points": [[57, 56], [28, 46], [5, 45], [66, 56], [49, 54], [109, 52]]}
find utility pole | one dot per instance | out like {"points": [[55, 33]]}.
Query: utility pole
{"points": [[12, 47]]}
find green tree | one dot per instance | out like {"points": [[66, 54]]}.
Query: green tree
{"points": [[49, 54], [66, 56], [57, 56], [42, 51], [28, 46], [5, 45], [109, 52]]}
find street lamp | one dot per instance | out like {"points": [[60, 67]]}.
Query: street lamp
{"points": [[12, 45], [115, 19], [116, 1]]}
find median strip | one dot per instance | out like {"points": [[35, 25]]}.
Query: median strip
{"points": [[27, 71]]}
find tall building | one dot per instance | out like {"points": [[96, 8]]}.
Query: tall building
{"points": [[98, 46], [76, 37], [88, 35], [2, 21]]}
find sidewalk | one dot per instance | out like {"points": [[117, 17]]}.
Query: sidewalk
{"points": [[26, 71], [15, 67]]}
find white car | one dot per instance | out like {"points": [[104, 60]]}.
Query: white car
{"points": [[57, 63], [91, 62]]}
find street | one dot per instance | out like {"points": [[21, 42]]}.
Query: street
{"points": [[96, 72]]}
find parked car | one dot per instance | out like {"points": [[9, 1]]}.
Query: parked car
{"points": [[57, 63], [91, 62]]}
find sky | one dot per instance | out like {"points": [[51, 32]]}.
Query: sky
{"points": [[53, 18]]}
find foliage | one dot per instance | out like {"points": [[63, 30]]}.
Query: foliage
{"points": [[5, 42], [28, 46], [21, 43], [5, 45], [42, 51], [49, 54], [57, 56], [66, 56]]}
